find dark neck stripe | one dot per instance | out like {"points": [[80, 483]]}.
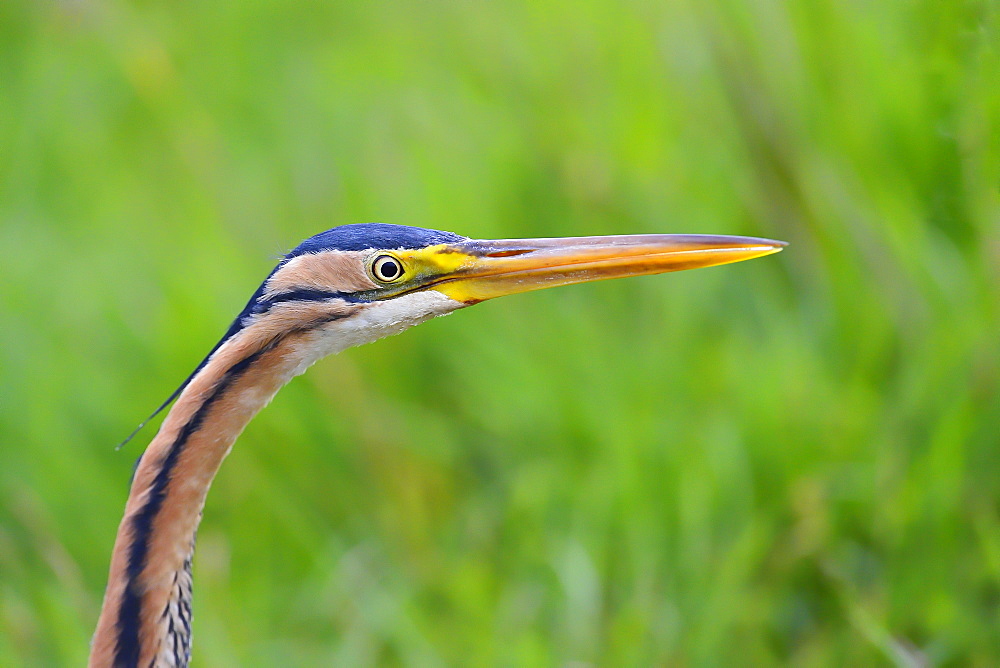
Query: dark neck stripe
{"points": [[128, 647]]}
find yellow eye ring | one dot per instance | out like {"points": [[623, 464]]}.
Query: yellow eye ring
{"points": [[386, 269]]}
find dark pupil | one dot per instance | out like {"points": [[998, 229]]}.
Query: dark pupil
{"points": [[388, 269]]}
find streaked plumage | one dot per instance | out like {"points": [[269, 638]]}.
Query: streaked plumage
{"points": [[344, 287]]}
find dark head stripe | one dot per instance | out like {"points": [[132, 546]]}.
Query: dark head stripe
{"points": [[264, 305]]}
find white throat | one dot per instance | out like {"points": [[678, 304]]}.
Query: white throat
{"points": [[375, 321]]}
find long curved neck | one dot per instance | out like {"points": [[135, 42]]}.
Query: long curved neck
{"points": [[146, 616]]}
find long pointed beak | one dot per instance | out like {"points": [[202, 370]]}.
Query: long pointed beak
{"points": [[489, 269]]}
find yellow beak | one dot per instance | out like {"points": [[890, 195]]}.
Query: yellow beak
{"points": [[481, 270]]}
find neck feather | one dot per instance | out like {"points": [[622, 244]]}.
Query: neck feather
{"points": [[146, 616]]}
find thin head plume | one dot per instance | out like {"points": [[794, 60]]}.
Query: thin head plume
{"points": [[235, 327], [146, 421], [160, 409]]}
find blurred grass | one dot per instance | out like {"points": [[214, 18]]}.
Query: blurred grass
{"points": [[793, 460]]}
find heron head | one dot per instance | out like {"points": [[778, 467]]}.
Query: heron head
{"points": [[371, 280]]}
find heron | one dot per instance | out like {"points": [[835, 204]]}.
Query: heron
{"points": [[346, 286]]}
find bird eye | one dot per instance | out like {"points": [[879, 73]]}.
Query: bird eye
{"points": [[386, 268]]}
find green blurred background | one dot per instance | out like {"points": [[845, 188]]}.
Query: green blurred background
{"points": [[792, 460]]}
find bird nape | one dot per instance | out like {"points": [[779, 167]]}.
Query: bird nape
{"points": [[341, 288]]}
